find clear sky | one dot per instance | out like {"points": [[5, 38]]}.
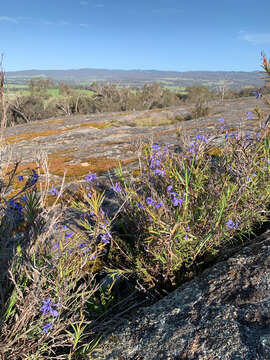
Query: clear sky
{"points": [[177, 35]]}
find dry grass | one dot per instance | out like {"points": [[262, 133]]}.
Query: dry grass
{"points": [[152, 121]]}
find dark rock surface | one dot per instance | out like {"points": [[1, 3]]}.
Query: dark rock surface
{"points": [[224, 313]]}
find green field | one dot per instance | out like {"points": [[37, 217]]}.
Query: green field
{"points": [[20, 90]]}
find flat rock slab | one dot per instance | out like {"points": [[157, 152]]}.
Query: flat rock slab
{"points": [[113, 135], [224, 313]]}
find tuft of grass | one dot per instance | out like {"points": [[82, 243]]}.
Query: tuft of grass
{"points": [[150, 121]]}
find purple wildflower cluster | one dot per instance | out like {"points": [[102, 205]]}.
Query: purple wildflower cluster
{"points": [[231, 225], [155, 204], [117, 188], [47, 309], [106, 237], [156, 160], [140, 206], [91, 177], [194, 145], [175, 197], [16, 209]]}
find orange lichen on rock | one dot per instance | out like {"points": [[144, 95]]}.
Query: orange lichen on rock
{"points": [[33, 135], [22, 169], [97, 125], [57, 166]]}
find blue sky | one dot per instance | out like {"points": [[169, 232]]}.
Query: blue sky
{"points": [[123, 34]]}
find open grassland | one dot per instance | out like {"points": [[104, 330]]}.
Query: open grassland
{"points": [[63, 288], [23, 90]]}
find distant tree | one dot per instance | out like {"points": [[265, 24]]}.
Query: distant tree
{"points": [[39, 85], [65, 89], [196, 93]]}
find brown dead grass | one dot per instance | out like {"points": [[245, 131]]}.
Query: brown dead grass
{"points": [[151, 121]]}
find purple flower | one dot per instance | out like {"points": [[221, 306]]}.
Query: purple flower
{"points": [[155, 162], [54, 313], [250, 115], [20, 178], [106, 237], [12, 203], [117, 188], [201, 138], [186, 237], [140, 206], [257, 93], [159, 172], [149, 201], [169, 188], [90, 177], [192, 150], [230, 224], [68, 234], [177, 201], [221, 120], [46, 327], [23, 198], [34, 177], [158, 205], [54, 191], [156, 147], [47, 308]]}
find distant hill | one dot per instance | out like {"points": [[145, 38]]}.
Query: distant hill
{"points": [[233, 79]]}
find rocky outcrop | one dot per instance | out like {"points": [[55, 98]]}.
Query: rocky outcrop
{"points": [[224, 313]]}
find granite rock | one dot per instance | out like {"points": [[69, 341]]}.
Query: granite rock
{"points": [[224, 313]]}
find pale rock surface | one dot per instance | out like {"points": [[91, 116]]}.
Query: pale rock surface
{"points": [[224, 313]]}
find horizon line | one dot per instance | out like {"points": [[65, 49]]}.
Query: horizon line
{"points": [[89, 68]]}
